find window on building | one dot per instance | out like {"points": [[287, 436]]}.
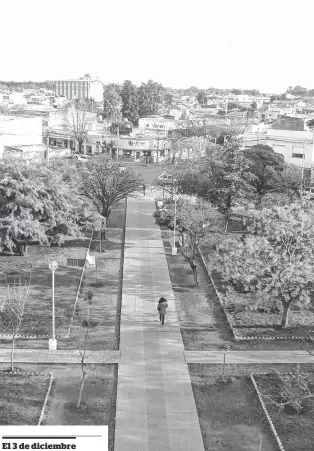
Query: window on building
{"points": [[298, 155]]}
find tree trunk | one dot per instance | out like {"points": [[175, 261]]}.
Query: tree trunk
{"points": [[284, 319], [226, 225], [79, 399], [12, 353], [22, 249]]}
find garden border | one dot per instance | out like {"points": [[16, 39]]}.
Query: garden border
{"points": [[235, 334], [79, 288], [271, 424], [46, 400]]}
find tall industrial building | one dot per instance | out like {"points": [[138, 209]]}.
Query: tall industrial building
{"points": [[87, 87]]}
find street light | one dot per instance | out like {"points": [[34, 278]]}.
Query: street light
{"points": [[174, 249], [53, 265]]}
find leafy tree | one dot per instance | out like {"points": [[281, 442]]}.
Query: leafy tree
{"points": [[79, 120], [112, 102], [168, 100], [150, 96], [187, 148], [232, 106], [225, 178], [130, 102], [36, 204], [265, 166], [310, 124], [201, 97], [196, 220], [291, 182], [236, 91], [275, 262], [103, 182], [299, 91]]}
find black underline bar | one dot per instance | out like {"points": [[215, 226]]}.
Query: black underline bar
{"points": [[32, 437]]}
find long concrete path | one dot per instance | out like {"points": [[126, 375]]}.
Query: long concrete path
{"points": [[44, 356], [155, 408]]}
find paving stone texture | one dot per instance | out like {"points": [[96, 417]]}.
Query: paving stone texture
{"points": [[155, 404]]}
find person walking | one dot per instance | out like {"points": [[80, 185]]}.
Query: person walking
{"points": [[162, 309], [144, 189]]}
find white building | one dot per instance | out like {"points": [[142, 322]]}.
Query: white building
{"points": [[156, 125], [296, 146], [17, 130], [87, 87]]}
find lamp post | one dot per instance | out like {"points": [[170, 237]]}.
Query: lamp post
{"points": [[174, 249], [53, 265]]}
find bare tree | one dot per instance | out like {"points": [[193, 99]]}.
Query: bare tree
{"points": [[86, 321], [79, 120], [103, 182], [12, 311], [292, 390]]}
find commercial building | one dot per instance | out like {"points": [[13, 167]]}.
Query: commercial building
{"points": [[20, 136], [87, 87], [296, 146]]}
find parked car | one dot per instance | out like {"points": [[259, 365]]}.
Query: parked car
{"points": [[81, 158], [309, 191], [165, 177]]}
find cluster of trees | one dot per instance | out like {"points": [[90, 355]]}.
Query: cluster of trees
{"points": [[49, 206], [20, 85], [299, 91], [132, 102], [273, 259]]}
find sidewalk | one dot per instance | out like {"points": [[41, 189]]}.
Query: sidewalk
{"points": [[155, 403], [54, 357]]}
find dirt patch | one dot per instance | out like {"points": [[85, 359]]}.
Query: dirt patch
{"points": [[99, 397], [296, 432], [230, 415], [105, 295], [21, 398]]}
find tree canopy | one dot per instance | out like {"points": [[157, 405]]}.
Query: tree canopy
{"points": [[36, 204], [104, 183]]}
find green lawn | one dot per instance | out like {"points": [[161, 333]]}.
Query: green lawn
{"points": [[21, 398]]}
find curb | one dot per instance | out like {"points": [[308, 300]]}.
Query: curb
{"points": [[28, 373], [271, 424], [27, 337], [79, 288], [235, 335], [45, 401]]}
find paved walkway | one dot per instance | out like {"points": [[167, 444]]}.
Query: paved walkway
{"points": [[55, 357], [242, 357], [155, 405], [106, 357]]}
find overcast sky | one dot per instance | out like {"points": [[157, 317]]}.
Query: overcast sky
{"points": [[266, 44]]}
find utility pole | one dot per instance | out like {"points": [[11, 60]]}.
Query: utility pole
{"points": [[47, 148], [157, 145], [117, 156], [303, 157]]}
